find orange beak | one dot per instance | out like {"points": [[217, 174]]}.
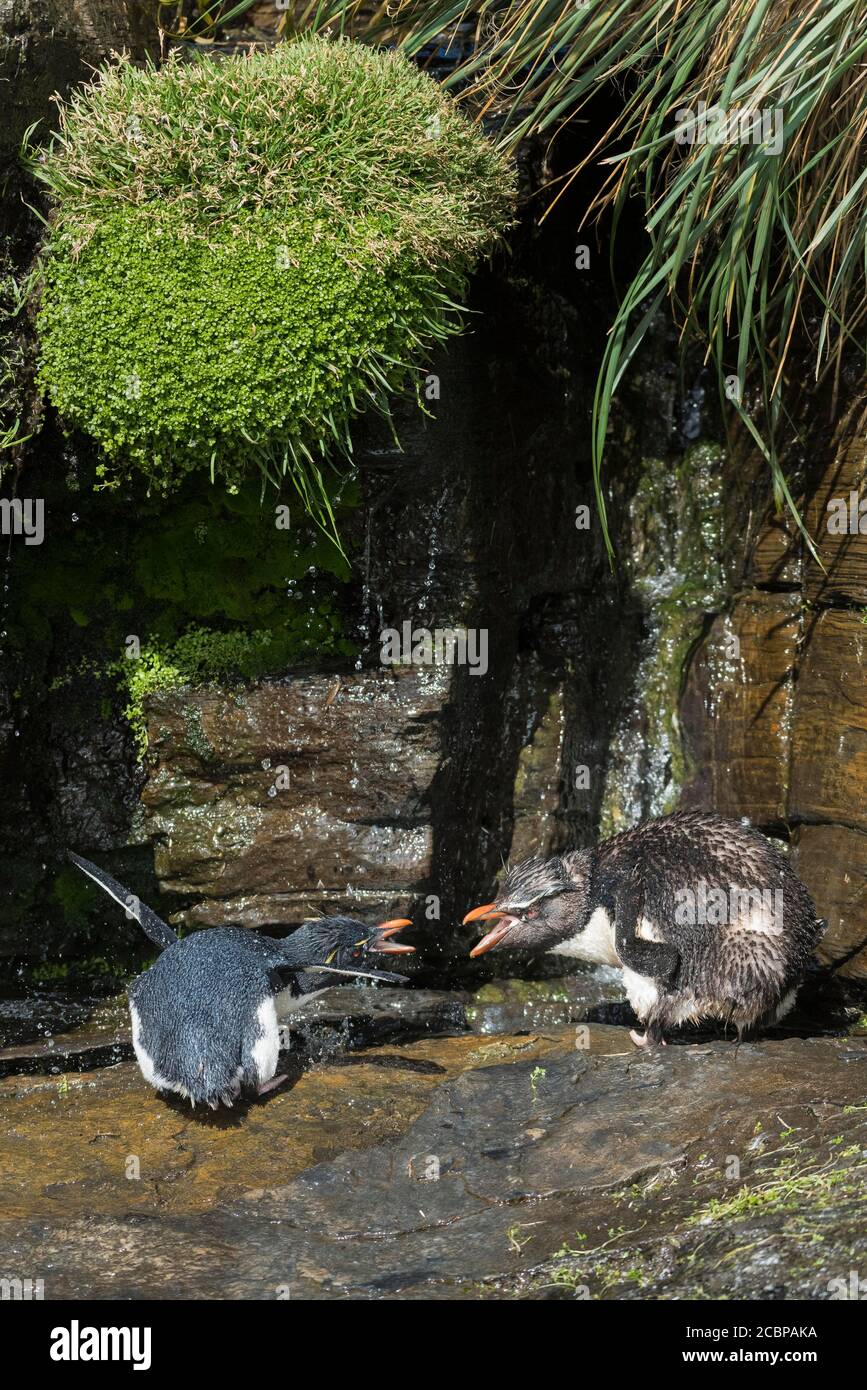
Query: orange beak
{"points": [[478, 914], [495, 935], [395, 924], [484, 914], [387, 929]]}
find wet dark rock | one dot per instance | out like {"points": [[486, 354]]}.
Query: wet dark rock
{"points": [[773, 712], [511, 1006], [842, 575], [48, 46], [455, 1167], [829, 742], [354, 1016], [85, 1051], [736, 709], [39, 1015], [537, 798], [833, 860], [411, 784], [350, 831], [549, 1154], [51, 1034]]}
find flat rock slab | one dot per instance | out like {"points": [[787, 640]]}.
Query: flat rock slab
{"points": [[509, 1006], [345, 826], [563, 1165], [341, 1019], [102, 1037]]}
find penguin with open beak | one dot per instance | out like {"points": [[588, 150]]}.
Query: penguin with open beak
{"points": [[206, 1015], [705, 917]]}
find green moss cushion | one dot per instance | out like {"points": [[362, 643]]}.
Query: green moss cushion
{"points": [[247, 253]]}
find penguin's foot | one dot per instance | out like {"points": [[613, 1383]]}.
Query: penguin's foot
{"points": [[272, 1084], [648, 1039]]}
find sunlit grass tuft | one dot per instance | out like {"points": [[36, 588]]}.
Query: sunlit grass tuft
{"points": [[761, 254]]}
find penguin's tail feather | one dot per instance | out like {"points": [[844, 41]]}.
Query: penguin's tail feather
{"points": [[153, 926]]}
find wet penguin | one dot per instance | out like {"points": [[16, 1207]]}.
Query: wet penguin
{"points": [[206, 1015], [703, 914]]}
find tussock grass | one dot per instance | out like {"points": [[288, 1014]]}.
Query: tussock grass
{"points": [[760, 254], [334, 129]]}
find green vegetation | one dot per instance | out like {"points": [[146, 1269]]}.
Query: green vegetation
{"points": [[756, 233], [71, 892], [202, 655], [537, 1075], [245, 254], [210, 589], [794, 1184], [57, 972], [15, 291]]}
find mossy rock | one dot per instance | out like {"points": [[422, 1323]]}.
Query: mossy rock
{"points": [[245, 254]]}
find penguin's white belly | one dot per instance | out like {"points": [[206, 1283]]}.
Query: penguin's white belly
{"points": [[684, 1006], [641, 991], [266, 1048], [595, 942]]}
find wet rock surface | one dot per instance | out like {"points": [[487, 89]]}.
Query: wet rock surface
{"points": [[554, 1163], [52, 1034], [772, 707], [48, 46], [296, 796], [737, 709], [506, 1006]]}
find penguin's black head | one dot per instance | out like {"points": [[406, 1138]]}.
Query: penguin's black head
{"points": [[348, 944], [540, 903]]}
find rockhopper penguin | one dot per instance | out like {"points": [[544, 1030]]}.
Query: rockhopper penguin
{"points": [[206, 1015], [703, 914]]}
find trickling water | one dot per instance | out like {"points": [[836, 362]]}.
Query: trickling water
{"points": [[675, 571], [437, 517]]}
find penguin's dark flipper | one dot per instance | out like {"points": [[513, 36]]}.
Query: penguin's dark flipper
{"points": [[658, 960], [153, 926]]}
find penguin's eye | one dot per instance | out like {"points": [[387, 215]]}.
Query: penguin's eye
{"points": [[355, 955], [531, 912]]}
